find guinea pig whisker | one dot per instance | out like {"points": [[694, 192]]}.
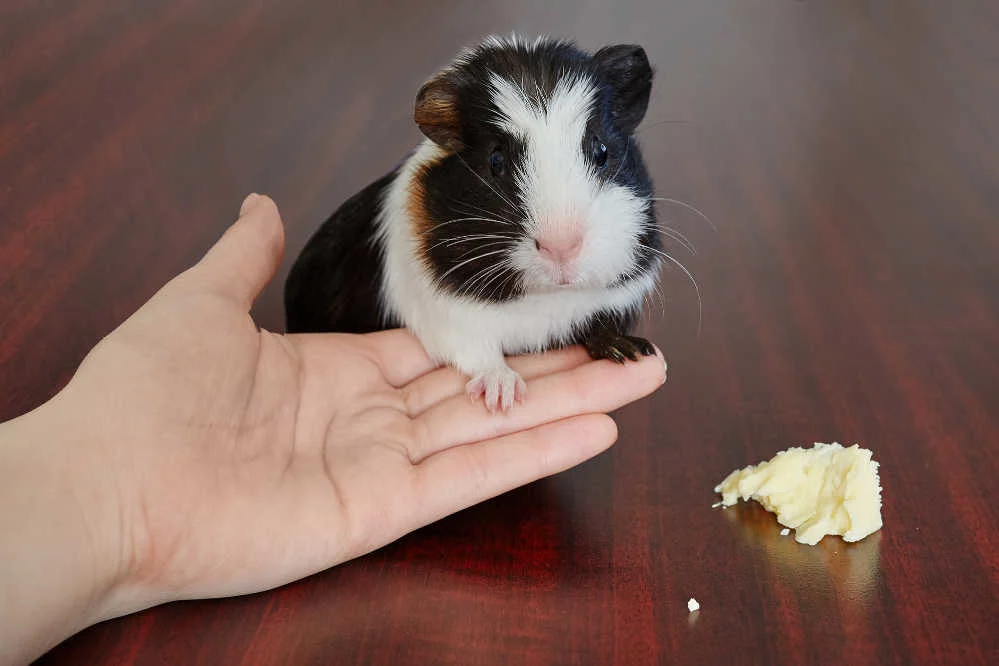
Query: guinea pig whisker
{"points": [[468, 208], [511, 276], [648, 126], [447, 242], [656, 296], [468, 261], [468, 219], [620, 164], [478, 285], [485, 277], [689, 207], [662, 296], [468, 286], [676, 235], [478, 210], [479, 247], [485, 272], [690, 276], [466, 237]]}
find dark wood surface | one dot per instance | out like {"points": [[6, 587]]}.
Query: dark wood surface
{"points": [[848, 153]]}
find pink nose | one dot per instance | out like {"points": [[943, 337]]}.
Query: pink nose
{"points": [[561, 249]]}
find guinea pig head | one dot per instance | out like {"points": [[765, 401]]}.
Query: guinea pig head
{"points": [[532, 179]]}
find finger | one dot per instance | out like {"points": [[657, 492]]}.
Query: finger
{"points": [[465, 475], [597, 386], [444, 383], [245, 259]]}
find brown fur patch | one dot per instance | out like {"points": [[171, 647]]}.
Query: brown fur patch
{"points": [[436, 112], [416, 209]]}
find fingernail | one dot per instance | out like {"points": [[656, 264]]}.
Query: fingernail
{"points": [[665, 364], [248, 203]]}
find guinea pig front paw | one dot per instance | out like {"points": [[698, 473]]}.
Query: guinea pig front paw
{"points": [[618, 348], [499, 388]]}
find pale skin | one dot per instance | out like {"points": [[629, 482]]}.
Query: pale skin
{"points": [[193, 455]]}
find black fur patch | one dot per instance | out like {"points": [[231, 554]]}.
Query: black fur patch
{"points": [[608, 335], [335, 283], [478, 218]]}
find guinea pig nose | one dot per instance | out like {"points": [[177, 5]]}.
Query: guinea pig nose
{"points": [[560, 248]]}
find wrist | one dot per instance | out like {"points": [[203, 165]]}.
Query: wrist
{"points": [[61, 535]]}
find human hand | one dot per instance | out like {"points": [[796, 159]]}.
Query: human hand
{"points": [[228, 460]]}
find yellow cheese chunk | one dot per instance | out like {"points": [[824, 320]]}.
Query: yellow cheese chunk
{"points": [[827, 489]]}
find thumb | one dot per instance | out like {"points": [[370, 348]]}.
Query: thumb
{"points": [[245, 259]]}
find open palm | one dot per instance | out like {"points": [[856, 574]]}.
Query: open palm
{"points": [[246, 459]]}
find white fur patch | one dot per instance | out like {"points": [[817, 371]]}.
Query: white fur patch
{"points": [[513, 40], [561, 192]]}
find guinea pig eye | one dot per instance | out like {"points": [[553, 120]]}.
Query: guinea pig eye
{"points": [[598, 151], [497, 162]]}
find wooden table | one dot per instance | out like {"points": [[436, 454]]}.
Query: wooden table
{"points": [[848, 154]]}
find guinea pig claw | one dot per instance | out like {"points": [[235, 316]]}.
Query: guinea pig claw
{"points": [[622, 353], [619, 348], [499, 389], [643, 346]]}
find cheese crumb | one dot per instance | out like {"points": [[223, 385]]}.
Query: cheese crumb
{"points": [[785, 532], [692, 605], [827, 489]]}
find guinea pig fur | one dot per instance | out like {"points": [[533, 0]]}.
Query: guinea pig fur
{"points": [[523, 222]]}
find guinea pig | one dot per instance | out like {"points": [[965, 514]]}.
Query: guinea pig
{"points": [[523, 222]]}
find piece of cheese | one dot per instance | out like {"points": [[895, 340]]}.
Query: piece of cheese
{"points": [[827, 489], [692, 605]]}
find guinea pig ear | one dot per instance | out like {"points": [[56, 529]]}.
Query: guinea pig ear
{"points": [[437, 112], [626, 69]]}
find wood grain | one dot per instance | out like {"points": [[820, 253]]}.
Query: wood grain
{"points": [[848, 154]]}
